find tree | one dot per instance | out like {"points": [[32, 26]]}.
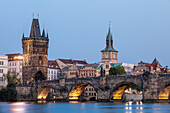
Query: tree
{"points": [[9, 93], [12, 79], [117, 70]]}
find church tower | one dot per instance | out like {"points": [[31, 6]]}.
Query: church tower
{"points": [[35, 54], [109, 54]]}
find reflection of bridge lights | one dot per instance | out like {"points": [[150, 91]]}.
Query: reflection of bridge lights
{"points": [[17, 109], [73, 101], [137, 107], [128, 108], [18, 103], [18, 106], [141, 108]]}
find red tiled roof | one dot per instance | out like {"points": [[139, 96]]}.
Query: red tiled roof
{"points": [[52, 64], [71, 61]]}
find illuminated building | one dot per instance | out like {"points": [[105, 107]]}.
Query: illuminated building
{"points": [[3, 70], [35, 54], [15, 64], [69, 68], [153, 67]]}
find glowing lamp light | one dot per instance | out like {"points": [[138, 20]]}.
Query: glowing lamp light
{"points": [[18, 57]]}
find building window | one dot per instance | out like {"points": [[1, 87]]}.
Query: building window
{"points": [[94, 94], [1, 78], [107, 66], [1, 70], [1, 62]]}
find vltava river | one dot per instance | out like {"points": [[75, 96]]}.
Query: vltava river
{"points": [[75, 107]]}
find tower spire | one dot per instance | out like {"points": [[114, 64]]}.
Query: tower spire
{"points": [[35, 28]]}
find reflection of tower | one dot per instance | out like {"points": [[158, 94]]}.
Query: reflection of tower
{"points": [[35, 54], [109, 53]]}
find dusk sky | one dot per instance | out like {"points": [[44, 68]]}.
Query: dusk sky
{"points": [[78, 28]]}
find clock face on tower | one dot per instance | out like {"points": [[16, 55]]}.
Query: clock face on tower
{"points": [[106, 56]]}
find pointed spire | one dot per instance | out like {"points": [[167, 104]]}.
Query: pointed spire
{"points": [[109, 35], [43, 33], [109, 41], [23, 35], [47, 34], [35, 28]]}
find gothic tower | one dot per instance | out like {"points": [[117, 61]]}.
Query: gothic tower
{"points": [[35, 54], [109, 54]]}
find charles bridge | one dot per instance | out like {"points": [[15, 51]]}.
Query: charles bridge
{"points": [[108, 88]]}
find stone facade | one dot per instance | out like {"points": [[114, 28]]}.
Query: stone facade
{"points": [[35, 54]]}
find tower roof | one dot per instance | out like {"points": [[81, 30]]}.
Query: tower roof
{"points": [[109, 42], [35, 28], [155, 61]]}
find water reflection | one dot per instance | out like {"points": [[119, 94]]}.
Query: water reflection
{"points": [[18, 107], [79, 107]]}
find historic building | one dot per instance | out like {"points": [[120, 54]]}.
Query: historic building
{"points": [[35, 54], [153, 67], [89, 93], [15, 64], [3, 70], [53, 69], [90, 70], [109, 53]]}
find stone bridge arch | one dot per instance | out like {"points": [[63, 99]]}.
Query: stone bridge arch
{"points": [[117, 90], [164, 92], [76, 89]]}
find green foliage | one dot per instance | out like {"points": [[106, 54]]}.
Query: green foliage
{"points": [[12, 79], [117, 70], [9, 93]]}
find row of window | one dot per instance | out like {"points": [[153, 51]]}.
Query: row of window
{"points": [[13, 70], [92, 73], [14, 63], [52, 77], [1, 62], [1, 70], [90, 94], [90, 89], [52, 72]]}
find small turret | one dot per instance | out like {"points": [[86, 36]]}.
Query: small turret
{"points": [[43, 34]]}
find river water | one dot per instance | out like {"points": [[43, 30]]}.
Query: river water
{"points": [[75, 107]]}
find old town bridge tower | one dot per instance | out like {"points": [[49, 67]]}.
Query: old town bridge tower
{"points": [[109, 54], [35, 54]]}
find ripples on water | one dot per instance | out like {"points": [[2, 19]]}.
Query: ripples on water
{"points": [[77, 107]]}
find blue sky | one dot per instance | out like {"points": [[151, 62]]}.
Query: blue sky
{"points": [[78, 28]]}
